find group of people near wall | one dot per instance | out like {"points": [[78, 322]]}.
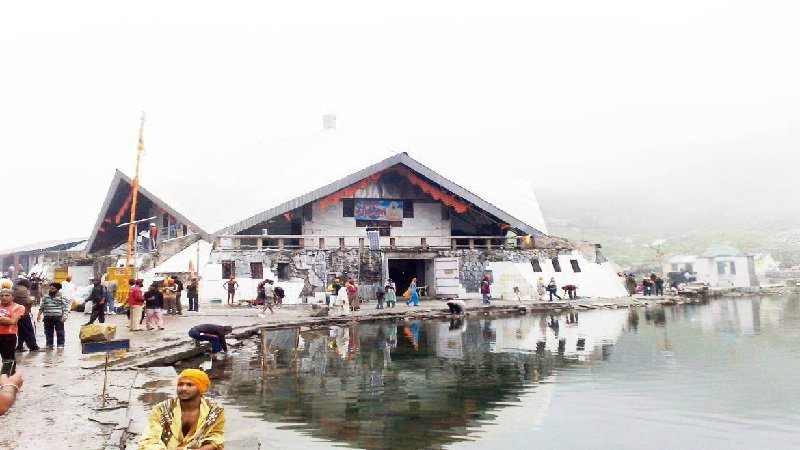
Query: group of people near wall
{"points": [[650, 285]]}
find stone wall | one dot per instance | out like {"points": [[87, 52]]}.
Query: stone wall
{"points": [[318, 267]]}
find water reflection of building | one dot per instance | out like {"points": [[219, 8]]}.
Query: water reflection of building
{"points": [[577, 337]]}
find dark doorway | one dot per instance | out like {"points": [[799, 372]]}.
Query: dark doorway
{"points": [[401, 271]]}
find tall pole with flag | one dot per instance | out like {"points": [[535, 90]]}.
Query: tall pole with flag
{"points": [[134, 191]]}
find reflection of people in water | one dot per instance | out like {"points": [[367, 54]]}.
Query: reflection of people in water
{"points": [[554, 324], [633, 319], [411, 332], [457, 324], [572, 318]]}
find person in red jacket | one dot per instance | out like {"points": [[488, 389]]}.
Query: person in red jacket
{"points": [[136, 304]]}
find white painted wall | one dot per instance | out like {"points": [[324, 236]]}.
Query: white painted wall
{"points": [[706, 269], [594, 280], [427, 221]]}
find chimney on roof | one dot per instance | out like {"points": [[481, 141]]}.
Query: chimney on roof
{"points": [[328, 122]]}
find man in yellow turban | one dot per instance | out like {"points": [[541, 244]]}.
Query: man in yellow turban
{"points": [[188, 422]]}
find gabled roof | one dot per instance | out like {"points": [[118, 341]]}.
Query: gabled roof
{"points": [[61, 244], [400, 158], [116, 210]]}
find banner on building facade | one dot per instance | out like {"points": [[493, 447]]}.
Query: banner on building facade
{"points": [[388, 210]]}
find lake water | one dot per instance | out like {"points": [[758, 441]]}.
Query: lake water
{"points": [[720, 375]]}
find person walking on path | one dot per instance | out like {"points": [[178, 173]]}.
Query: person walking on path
{"points": [[178, 291], [26, 333], [630, 284], [540, 289], [136, 304], [153, 237], [188, 421], [54, 311], [486, 289], [351, 288], [110, 294], [36, 288], [192, 292], [153, 304], [267, 293], [552, 289], [413, 293], [335, 287], [170, 294], [68, 289], [215, 334], [380, 293], [659, 285], [97, 297], [390, 293], [339, 299], [231, 285], [10, 314]]}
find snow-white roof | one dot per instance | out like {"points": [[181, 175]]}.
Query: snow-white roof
{"points": [[249, 180], [45, 245]]}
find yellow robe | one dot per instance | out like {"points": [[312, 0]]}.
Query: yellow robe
{"points": [[215, 434]]}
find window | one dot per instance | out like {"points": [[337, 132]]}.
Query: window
{"points": [[307, 212], [256, 270], [733, 268], [575, 267], [720, 267], [382, 231], [283, 271], [408, 209], [445, 212], [228, 269], [689, 267], [556, 265], [348, 207], [674, 267], [536, 266]]}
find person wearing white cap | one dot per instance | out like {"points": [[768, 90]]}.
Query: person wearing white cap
{"points": [[153, 236]]}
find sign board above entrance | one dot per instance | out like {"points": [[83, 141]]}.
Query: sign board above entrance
{"points": [[388, 210]]}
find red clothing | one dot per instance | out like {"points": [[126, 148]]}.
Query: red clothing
{"points": [[10, 311], [135, 296]]}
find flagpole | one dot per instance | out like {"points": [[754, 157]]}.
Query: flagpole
{"points": [[134, 191]]}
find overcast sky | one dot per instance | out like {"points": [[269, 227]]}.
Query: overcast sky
{"points": [[696, 98]]}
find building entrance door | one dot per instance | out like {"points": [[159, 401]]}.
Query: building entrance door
{"points": [[401, 271]]}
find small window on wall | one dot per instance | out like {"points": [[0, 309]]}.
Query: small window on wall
{"points": [[536, 266], [348, 207], [382, 231], [228, 269], [283, 271], [556, 265], [256, 270], [720, 268], [408, 209], [445, 212], [733, 268], [575, 267]]}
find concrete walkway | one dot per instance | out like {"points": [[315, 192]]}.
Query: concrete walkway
{"points": [[60, 403]]}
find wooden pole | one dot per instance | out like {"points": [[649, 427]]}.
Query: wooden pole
{"points": [[134, 195], [105, 380]]}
